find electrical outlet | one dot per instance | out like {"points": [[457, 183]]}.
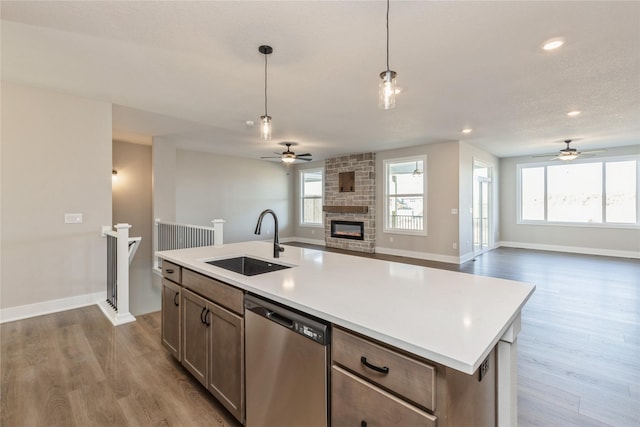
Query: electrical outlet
{"points": [[313, 232], [483, 369], [455, 245], [390, 239]]}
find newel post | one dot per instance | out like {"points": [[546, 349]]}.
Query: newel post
{"points": [[122, 288]]}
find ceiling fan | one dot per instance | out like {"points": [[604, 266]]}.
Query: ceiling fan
{"points": [[569, 153], [289, 156]]}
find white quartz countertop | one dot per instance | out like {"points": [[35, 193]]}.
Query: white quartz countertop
{"points": [[451, 318]]}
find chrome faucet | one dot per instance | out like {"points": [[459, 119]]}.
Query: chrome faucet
{"points": [[276, 241]]}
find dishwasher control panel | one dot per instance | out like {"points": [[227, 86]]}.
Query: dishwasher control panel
{"points": [[309, 332]]}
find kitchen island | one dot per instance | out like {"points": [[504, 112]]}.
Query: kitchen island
{"points": [[452, 319]]}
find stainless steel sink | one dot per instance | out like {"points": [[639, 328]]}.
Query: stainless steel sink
{"points": [[247, 266]]}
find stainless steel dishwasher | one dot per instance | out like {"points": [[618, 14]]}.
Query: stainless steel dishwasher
{"points": [[287, 362]]}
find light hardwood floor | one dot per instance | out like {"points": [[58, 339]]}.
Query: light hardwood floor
{"points": [[579, 354]]}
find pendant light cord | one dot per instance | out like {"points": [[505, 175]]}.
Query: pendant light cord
{"points": [[265, 84], [387, 35]]}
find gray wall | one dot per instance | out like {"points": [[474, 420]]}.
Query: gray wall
{"points": [[596, 240], [442, 195], [305, 233], [132, 205], [468, 155], [56, 159]]}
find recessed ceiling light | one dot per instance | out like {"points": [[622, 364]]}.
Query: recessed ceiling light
{"points": [[466, 130], [553, 43], [573, 113]]}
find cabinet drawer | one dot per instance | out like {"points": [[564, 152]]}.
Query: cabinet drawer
{"points": [[409, 378], [218, 292], [355, 402], [172, 271]]}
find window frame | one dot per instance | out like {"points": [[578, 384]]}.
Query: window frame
{"points": [[302, 198], [386, 195], [603, 163]]}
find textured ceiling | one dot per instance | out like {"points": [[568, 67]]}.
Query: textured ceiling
{"points": [[191, 71]]}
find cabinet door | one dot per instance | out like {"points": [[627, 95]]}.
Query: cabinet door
{"points": [[171, 320], [226, 373], [195, 331]]}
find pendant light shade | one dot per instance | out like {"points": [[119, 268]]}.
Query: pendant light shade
{"points": [[265, 128], [387, 88], [265, 121]]}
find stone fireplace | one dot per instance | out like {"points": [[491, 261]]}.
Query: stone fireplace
{"points": [[350, 203]]}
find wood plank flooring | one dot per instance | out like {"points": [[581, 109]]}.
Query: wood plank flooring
{"points": [[579, 354]]}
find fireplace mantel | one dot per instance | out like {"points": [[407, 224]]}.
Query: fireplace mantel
{"points": [[346, 209]]}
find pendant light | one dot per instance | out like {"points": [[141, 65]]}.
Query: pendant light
{"points": [[265, 121], [387, 88]]}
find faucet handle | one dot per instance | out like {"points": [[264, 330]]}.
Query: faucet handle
{"points": [[280, 248]]}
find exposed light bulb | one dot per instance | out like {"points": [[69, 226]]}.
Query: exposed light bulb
{"points": [[387, 90], [265, 128]]}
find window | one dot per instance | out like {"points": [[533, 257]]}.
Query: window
{"points": [[311, 187], [404, 195], [589, 192]]}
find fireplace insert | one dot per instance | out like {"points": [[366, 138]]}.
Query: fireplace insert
{"points": [[347, 229]]}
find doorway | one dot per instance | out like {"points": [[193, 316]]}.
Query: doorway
{"points": [[482, 215]]}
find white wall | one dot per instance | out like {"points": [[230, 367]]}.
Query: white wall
{"points": [[594, 240], [56, 159], [132, 205], [207, 186]]}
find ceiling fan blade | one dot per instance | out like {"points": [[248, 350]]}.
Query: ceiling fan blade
{"points": [[270, 157], [592, 152], [545, 155], [305, 154], [306, 160]]}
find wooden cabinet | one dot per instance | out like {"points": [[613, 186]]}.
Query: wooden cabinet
{"points": [[226, 361], [213, 349], [356, 402], [195, 335], [171, 318], [171, 309], [374, 384]]}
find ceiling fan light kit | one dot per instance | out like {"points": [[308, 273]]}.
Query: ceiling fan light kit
{"points": [[265, 120], [289, 156], [387, 87]]}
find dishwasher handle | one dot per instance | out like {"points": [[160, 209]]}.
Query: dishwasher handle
{"points": [[280, 319]]}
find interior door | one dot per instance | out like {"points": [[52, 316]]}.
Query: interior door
{"points": [[482, 215]]}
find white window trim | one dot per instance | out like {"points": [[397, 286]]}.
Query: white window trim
{"points": [[301, 197], [544, 222], [385, 207]]}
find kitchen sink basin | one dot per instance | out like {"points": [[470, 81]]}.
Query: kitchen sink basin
{"points": [[247, 265]]}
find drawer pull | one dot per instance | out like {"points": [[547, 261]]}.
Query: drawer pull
{"points": [[363, 423], [176, 303], [169, 270], [383, 370]]}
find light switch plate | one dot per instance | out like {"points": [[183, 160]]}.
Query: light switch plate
{"points": [[73, 218], [454, 211]]}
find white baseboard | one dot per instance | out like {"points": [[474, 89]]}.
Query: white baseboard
{"points": [[571, 249], [419, 255], [47, 307], [115, 317], [307, 241]]}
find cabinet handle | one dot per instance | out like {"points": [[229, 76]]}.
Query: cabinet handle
{"points": [[363, 423], [169, 270], [383, 370], [174, 299], [202, 315], [206, 318]]}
